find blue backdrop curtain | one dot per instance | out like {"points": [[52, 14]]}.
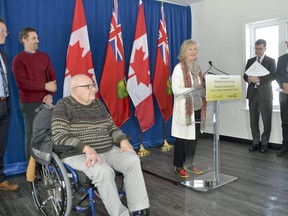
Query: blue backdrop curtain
{"points": [[53, 20]]}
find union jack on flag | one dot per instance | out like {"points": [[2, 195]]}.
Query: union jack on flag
{"points": [[163, 40], [115, 39]]}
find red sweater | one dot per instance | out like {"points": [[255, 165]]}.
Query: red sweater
{"points": [[31, 72]]}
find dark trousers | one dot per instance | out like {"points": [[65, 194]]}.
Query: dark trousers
{"points": [[28, 111], [4, 125], [284, 119], [258, 106], [184, 150]]}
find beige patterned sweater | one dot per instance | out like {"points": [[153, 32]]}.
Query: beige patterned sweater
{"points": [[76, 125]]}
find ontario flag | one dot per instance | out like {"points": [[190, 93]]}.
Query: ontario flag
{"points": [[162, 83], [79, 58], [113, 82], [139, 82]]}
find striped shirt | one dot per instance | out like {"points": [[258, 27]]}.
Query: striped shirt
{"points": [[77, 125]]}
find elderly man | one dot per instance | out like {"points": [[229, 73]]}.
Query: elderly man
{"points": [[82, 121]]}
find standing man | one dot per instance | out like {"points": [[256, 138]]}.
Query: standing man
{"points": [[260, 96], [4, 108], [35, 78], [282, 79]]}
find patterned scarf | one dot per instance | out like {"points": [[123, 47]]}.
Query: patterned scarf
{"points": [[189, 109]]}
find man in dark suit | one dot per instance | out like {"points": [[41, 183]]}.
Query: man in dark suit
{"points": [[260, 96], [282, 79], [4, 108]]}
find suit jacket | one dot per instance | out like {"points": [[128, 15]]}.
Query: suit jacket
{"points": [[282, 74], [265, 87], [5, 59]]}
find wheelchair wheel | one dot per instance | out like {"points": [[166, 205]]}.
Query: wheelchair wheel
{"points": [[51, 190]]}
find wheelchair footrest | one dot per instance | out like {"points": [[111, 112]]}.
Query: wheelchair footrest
{"points": [[81, 208]]}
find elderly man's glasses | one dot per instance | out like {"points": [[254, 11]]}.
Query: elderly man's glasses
{"points": [[88, 86], [3, 30]]}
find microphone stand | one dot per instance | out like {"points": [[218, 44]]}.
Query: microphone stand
{"points": [[208, 71], [212, 66]]}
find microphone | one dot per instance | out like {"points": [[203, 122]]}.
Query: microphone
{"points": [[212, 66], [208, 71]]}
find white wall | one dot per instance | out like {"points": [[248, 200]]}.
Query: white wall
{"points": [[218, 26]]}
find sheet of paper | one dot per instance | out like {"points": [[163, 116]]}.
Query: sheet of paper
{"points": [[256, 69], [279, 89]]}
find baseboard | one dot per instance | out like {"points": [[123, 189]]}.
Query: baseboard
{"points": [[239, 140]]}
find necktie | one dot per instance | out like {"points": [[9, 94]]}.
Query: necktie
{"points": [[258, 59], [4, 81]]}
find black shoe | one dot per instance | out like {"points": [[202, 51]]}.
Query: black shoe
{"points": [[143, 212], [254, 147], [282, 151], [263, 149]]}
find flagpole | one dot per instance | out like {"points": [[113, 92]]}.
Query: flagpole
{"points": [[139, 84], [166, 146], [142, 151]]}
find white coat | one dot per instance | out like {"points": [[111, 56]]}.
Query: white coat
{"points": [[179, 128]]}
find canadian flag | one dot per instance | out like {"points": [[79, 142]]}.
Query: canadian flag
{"points": [[162, 84], [113, 81], [79, 57], [139, 82]]}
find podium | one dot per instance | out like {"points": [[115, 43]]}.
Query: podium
{"points": [[219, 87]]}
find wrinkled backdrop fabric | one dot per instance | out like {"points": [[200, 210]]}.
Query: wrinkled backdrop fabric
{"points": [[53, 20]]}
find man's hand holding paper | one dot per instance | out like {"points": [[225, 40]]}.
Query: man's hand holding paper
{"points": [[256, 70], [253, 79], [285, 88]]}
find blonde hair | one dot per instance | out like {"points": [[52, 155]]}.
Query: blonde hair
{"points": [[184, 49]]}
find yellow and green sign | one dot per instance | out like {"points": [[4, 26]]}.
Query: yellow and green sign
{"points": [[223, 87]]}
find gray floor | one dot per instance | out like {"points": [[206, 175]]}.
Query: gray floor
{"points": [[261, 188]]}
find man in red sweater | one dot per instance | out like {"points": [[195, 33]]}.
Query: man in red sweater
{"points": [[35, 78]]}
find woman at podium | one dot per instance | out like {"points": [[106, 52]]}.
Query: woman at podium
{"points": [[189, 108]]}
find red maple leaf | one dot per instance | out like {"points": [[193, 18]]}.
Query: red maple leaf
{"points": [[141, 67], [76, 64]]}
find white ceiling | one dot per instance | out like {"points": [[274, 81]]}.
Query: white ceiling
{"points": [[182, 2]]}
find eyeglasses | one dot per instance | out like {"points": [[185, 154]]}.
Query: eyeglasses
{"points": [[3, 30], [88, 86]]}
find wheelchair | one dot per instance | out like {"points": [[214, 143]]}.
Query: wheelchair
{"points": [[59, 190]]}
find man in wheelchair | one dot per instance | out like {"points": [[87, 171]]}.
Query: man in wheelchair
{"points": [[81, 123]]}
